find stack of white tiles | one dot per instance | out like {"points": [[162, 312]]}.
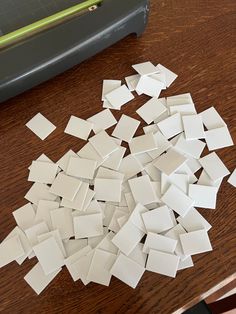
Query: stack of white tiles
{"points": [[110, 211]]}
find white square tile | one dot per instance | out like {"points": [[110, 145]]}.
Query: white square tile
{"points": [[99, 270], [49, 255], [108, 86], [119, 97], [143, 143], [212, 119], [40, 126], [43, 212], [37, 279], [102, 120], [39, 191], [162, 145], [232, 178], [103, 144], [170, 162], [149, 86], [218, 138], [79, 199], [194, 148], [138, 255], [126, 128], [64, 160], [62, 220], [195, 242], [79, 128], [170, 76], [128, 237], [127, 270], [87, 226], [113, 161], [24, 216], [142, 190], [204, 179], [145, 68], [108, 189], [159, 242], [193, 127], [203, 196], [162, 263], [104, 173], [42, 172], [56, 235], [10, 250], [65, 186], [151, 110], [177, 200], [178, 179], [213, 166], [194, 221], [171, 126], [130, 166], [89, 152], [81, 168], [158, 220]]}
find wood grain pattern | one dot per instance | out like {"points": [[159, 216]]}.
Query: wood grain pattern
{"points": [[195, 38]]}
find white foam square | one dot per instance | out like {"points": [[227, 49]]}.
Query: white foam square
{"points": [[213, 166], [108, 189], [49, 255], [211, 119], [62, 220], [65, 186], [113, 161], [151, 110], [177, 200], [149, 86], [126, 128], [42, 172], [158, 220], [79, 128], [103, 144], [203, 196], [218, 138], [159, 242], [127, 270], [39, 191], [195, 242], [102, 120], [24, 216], [171, 126], [194, 221], [130, 166], [170, 162], [119, 96], [194, 148], [81, 168], [143, 143], [79, 199], [37, 279], [108, 86], [43, 211], [193, 127], [145, 68], [162, 263], [40, 126], [86, 226], [142, 190]]}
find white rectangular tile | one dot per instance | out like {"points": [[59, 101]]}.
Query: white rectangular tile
{"points": [[158, 220], [151, 110], [194, 148], [130, 166], [127, 270], [145, 68], [193, 127], [178, 179], [81, 168], [40, 126], [212, 119], [195, 242], [187, 263], [177, 200], [126, 128], [159, 242], [64, 160], [102, 120], [203, 196], [149, 86], [218, 138], [204, 179], [185, 109], [213, 166], [103, 144], [86, 226], [24, 216], [136, 216], [162, 145], [62, 220], [42, 172], [107, 189], [194, 221], [56, 235], [119, 97], [79, 128], [170, 162], [79, 199], [43, 212], [171, 126], [162, 263], [37, 279], [34, 231], [108, 86], [113, 161], [143, 143], [142, 190]]}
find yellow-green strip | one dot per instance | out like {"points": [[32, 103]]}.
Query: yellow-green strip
{"points": [[6, 39]]}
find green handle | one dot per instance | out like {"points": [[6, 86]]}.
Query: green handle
{"points": [[46, 21]]}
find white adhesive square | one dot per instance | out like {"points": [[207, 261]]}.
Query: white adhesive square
{"points": [[171, 126], [158, 220], [119, 97], [24, 216], [102, 120], [108, 86], [143, 143], [86, 226], [195, 242], [150, 86], [108, 189], [142, 190], [126, 128], [193, 127], [40, 126], [42, 172], [218, 138], [79, 128], [81, 168], [103, 144], [159, 242], [203, 196], [151, 110]]}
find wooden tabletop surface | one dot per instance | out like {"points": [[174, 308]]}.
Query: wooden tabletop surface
{"points": [[195, 39]]}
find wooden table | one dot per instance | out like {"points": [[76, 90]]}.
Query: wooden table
{"points": [[196, 40]]}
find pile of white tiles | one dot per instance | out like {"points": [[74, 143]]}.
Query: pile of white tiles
{"points": [[105, 211]]}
